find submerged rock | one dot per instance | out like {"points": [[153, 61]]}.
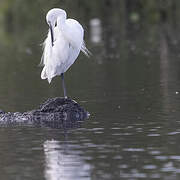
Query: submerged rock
{"points": [[55, 113]]}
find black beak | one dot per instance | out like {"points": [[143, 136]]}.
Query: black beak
{"points": [[52, 35]]}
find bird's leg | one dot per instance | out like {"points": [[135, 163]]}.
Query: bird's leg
{"points": [[63, 85]]}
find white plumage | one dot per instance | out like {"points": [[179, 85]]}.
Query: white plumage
{"points": [[62, 45]]}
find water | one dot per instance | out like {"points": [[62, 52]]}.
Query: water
{"points": [[130, 86]]}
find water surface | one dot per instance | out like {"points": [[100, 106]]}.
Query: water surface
{"points": [[130, 86]]}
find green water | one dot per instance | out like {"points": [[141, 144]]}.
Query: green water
{"points": [[130, 86]]}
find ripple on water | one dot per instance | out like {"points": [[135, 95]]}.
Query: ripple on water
{"points": [[155, 176], [155, 152], [90, 145], [175, 158], [153, 135], [134, 149], [118, 157], [168, 167], [153, 129], [139, 130], [133, 174], [102, 156], [123, 166], [129, 127], [174, 133], [161, 158], [96, 130], [122, 134], [116, 128], [150, 166]]}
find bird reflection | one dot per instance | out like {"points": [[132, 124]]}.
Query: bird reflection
{"points": [[61, 163]]}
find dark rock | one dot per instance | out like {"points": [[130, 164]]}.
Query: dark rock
{"points": [[1, 111], [55, 113]]}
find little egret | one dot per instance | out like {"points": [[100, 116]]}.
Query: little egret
{"points": [[62, 46]]}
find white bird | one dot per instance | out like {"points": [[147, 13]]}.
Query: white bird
{"points": [[62, 45]]}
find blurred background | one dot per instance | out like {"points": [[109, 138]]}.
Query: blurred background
{"points": [[130, 85], [131, 41]]}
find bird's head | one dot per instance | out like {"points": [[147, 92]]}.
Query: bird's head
{"points": [[51, 19]]}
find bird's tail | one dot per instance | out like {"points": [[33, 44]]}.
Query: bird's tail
{"points": [[44, 75], [85, 50], [43, 55]]}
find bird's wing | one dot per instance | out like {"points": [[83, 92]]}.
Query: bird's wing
{"points": [[47, 50], [47, 47], [74, 33], [48, 59], [85, 50], [65, 52], [60, 49]]}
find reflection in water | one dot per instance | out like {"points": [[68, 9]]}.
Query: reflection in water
{"points": [[164, 68], [62, 164], [95, 30], [168, 75]]}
